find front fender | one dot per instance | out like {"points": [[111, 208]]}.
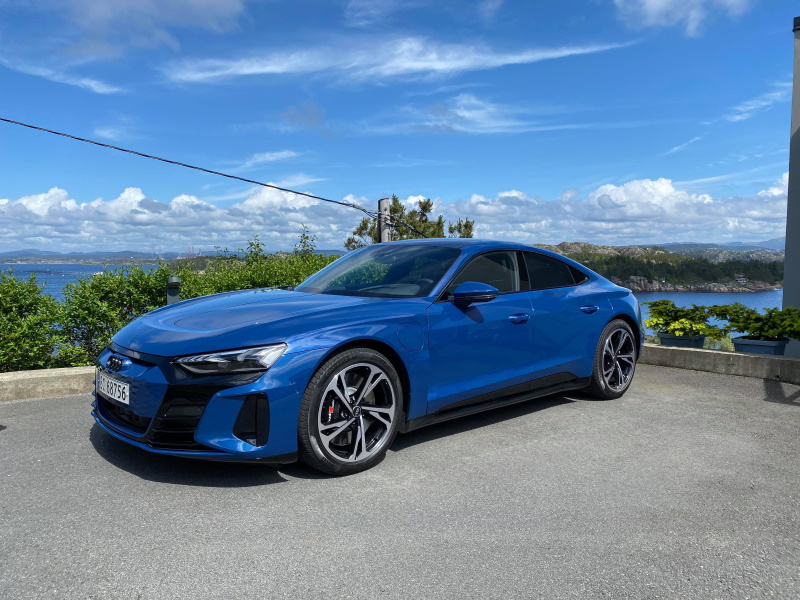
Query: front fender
{"points": [[405, 336]]}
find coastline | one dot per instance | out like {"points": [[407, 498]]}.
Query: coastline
{"points": [[641, 284]]}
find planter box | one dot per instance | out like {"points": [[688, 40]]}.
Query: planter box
{"points": [[742, 344], [682, 341]]}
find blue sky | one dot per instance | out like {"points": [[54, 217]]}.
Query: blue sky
{"points": [[608, 121]]}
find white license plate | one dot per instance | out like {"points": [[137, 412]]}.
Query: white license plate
{"points": [[113, 388]]}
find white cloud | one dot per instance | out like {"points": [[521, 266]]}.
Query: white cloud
{"points": [[487, 9], [780, 92], [62, 76], [261, 158], [639, 211], [683, 146], [665, 13], [744, 176], [297, 180], [363, 13], [146, 22], [466, 113], [409, 57], [134, 221], [780, 189], [121, 128]]}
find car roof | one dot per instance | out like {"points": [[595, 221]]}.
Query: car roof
{"points": [[471, 244], [471, 247]]}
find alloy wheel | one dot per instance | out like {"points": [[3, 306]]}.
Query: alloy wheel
{"points": [[619, 359], [357, 412]]}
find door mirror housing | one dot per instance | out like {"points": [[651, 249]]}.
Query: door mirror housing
{"points": [[471, 292]]}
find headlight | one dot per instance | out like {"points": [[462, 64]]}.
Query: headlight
{"points": [[246, 360]]}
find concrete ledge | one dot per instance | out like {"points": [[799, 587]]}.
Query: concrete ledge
{"points": [[53, 383], [727, 363], [45, 383]]}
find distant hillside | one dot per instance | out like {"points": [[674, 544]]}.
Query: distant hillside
{"points": [[719, 255], [28, 253], [656, 269], [32, 255], [775, 244], [43, 256]]}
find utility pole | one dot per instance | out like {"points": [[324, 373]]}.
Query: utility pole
{"points": [[791, 278], [384, 228]]}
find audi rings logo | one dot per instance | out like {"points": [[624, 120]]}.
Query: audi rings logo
{"points": [[114, 363]]}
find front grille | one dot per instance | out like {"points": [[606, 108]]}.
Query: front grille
{"points": [[175, 422], [120, 415], [178, 417]]}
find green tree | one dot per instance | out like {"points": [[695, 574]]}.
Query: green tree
{"points": [[418, 218]]}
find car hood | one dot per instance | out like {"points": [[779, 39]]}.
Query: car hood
{"points": [[235, 319]]}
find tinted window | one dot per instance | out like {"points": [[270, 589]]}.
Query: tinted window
{"points": [[389, 271], [498, 269], [545, 272], [578, 275]]}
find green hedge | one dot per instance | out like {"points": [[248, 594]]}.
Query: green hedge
{"points": [[38, 332]]}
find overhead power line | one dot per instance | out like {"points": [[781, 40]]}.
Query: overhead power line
{"points": [[369, 213]]}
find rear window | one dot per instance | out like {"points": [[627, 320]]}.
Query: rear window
{"points": [[545, 272]]}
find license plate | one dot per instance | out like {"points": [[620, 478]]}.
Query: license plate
{"points": [[113, 388]]}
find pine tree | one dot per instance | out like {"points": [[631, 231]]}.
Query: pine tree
{"points": [[418, 218]]}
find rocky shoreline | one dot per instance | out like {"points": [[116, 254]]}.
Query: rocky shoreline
{"points": [[641, 284]]}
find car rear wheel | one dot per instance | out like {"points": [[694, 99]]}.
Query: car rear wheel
{"points": [[614, 361], [350, 412]]}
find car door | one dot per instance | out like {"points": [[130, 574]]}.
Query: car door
{"points": [[487, 347], [569, 314]]}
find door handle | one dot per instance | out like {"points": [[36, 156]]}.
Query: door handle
{"points": [[519, 318], [589, 309]]}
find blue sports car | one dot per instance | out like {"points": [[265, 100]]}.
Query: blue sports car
{"points": [[384, 340]]}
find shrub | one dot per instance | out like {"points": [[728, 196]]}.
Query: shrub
{"points": [[774, 324], [37, 332], [665, 317], [27, 324], [96, 307]]}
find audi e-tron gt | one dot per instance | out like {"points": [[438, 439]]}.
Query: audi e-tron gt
{"points": [[386, 339]]}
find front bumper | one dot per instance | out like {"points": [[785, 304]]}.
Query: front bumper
{"points": [[230, 418]]}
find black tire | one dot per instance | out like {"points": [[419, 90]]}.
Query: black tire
{"points": [[615, 354], [371, 431]]}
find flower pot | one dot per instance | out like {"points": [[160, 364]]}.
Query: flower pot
{"points": [[776, 348], [681, 341]]}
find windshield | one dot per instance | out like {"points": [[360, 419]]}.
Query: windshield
{"points": [[390, 271]]}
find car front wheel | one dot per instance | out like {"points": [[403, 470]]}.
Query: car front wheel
{"points": [[614, 361], [350, 412]]}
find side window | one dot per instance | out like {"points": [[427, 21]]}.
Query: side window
{"points": [[545, 272], [498, 269], [579, 276]]}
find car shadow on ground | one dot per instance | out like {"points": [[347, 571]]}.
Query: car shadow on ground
{"points": [[160, 468], [775, 391], [484, 419], [180, 471]]}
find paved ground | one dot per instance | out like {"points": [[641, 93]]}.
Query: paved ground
{"points": [[688, 487]]}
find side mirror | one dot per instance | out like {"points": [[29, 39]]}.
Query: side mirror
{"points": [[471, 292]]}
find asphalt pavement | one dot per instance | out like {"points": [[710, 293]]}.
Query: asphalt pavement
{"points": [[687, 487]]}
